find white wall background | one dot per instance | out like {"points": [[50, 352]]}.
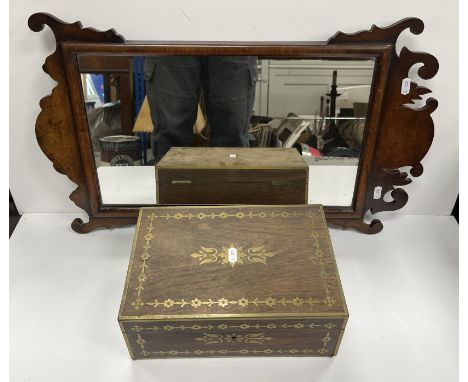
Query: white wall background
{"points": [[35, 185]]}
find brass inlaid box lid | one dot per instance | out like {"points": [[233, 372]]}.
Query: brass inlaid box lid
{"points": [[232, 158], [232, 261]]}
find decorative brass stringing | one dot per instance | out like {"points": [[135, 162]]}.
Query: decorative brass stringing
{"points": [[207, 255], [141, 343], [138, 303], [243, 302], [252, 338], [325, 341], [270, 326], [228, 352], [319, 258], [225, 215]]}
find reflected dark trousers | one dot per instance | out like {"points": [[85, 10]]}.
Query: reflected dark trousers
{"points": [[173, 87]]}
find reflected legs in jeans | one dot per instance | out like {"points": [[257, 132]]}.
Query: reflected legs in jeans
{"points": [[173, 87]]}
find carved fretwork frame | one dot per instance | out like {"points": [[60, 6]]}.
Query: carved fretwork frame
{"points": [[398, 134]]}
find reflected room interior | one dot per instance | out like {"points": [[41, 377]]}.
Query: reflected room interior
{"points": [[317, 106]]}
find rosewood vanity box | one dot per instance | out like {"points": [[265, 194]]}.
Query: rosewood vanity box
{"points": [[232, 281], [202, 175]]}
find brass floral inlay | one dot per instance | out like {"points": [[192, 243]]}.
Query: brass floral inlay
{"points": [[252, 338], [224, 215], [325, 341], [229, 352], [138, 303], [140, 341], [207, 255], [321, 260], [243, 302], [243, 326]]}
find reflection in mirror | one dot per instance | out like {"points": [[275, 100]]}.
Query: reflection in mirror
{"points": [[138, 107]]}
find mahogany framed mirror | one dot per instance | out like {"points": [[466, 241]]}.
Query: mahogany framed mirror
{"points": [[346, 104]]}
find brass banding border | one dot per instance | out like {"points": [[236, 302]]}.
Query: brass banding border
{"points": [[234, 316], [332, 255], [340, 337], [127, 341]]}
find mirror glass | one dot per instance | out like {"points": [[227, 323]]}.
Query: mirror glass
{"points": [[138, 107]]}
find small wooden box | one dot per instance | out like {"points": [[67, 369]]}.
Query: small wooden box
{"points": [[232, 281], [202, 175]]}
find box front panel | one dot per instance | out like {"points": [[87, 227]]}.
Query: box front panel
{"points": [[231, 186], [237, 338]]}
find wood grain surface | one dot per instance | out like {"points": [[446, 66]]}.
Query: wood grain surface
{"points": [[212, 175], [232, 158]]}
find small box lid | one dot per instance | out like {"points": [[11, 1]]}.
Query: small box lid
{"points": [[232, 158], [236, 261]]}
